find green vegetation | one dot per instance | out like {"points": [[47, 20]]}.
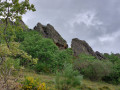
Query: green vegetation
{"points": [[28, 50], [41, 55], [50, 57], [92, 68], [68, 78], [49, 80], [114, 77], [33, 84]]}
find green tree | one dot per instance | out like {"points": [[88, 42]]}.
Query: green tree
{"points": [[12, 10]]}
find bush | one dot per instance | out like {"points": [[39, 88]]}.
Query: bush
{"points": [[50, 57], [55, 61], [68, 78], [93, 69], [114, 77], [33, 84]]}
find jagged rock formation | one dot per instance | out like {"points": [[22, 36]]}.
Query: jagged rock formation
{"points": [[80, 46], [49, 32], [100, 55]]}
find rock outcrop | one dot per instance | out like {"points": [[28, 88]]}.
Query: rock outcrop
{"points": [[80, 46], [100, 55], [49, 32]]}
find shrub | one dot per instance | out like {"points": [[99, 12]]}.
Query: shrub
{"points": [[50, 57], [68, 78], [114, 77], [93, 69], [55, 61], [33, 84]]}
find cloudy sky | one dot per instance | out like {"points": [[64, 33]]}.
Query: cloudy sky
{"points": [[95, 21]]}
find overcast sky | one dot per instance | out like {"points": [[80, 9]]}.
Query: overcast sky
{"points": [[95, 21]]}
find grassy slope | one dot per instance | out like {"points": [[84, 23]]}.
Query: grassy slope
{"points": [[49, 80]]}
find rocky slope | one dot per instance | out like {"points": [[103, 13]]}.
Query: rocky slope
{"points": [[82, 47], [78, 46], [48, 31]]}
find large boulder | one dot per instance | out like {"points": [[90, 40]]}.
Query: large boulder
{"points": [[80, 46], [48, 31]]}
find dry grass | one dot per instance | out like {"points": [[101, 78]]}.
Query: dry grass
{"points": [[49, 80]]}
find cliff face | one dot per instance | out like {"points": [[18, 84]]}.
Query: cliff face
{"points": [[48, 31], [82, 47]]}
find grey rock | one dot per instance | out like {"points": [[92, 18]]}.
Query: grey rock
{"points": [[80, 46], [100, 55], [49, 32]]}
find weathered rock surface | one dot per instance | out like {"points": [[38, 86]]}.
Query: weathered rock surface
{"points": [[82, 47], [49, 32], [100, 55]]}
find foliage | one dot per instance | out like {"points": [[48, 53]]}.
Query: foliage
{"points": [[8, 67], [68, 78], [50, 57], [114, 77], [10, 11], [62, 57], [33, 84], [34, 44], [93, 69], [20, 36], [14, 51]]}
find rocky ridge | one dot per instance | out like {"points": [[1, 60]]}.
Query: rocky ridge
{"points": [[48, 31], [82, 47], [78, 46]]}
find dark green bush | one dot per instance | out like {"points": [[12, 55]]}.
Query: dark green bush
{"points": [[50, 57], [114, 77], [92, 68]]}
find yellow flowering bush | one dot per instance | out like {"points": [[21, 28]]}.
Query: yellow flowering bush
{"points": [[33, 84]]}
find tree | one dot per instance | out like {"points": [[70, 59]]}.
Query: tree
{"points": [[12, 10]]}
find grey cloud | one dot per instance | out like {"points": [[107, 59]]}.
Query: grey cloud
{"points": [[61, 13]]}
